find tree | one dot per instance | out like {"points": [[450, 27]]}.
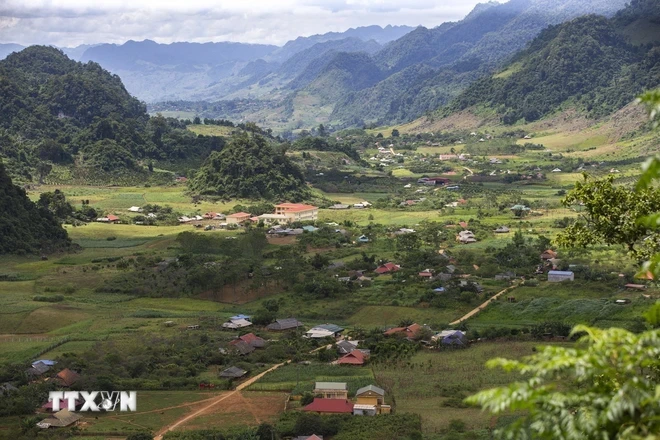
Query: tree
{"points": [[608, 389], [140, 436], [43, 169], [321, 131], [610, 213], [395, 133], [197, 120]]}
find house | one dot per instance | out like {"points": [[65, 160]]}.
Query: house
{"points": [[64, 403], [330, 406], [439, 290], [7, 388], [37, 369], [521, 208], [556, 170], [67, 377], [311, 437], [271, 219], [284, 324], [466, 237], [548, 254], [331, 390], [295, 212], [426, 274], [370, 395], [434, 180], [355, 357], [502, 230], [254, 340], [185, 219], [345, 347], [505, 276], [324, 331], [339, 206], [450, 337], [60, 419], [241, 347], [237, 218], [557, 276], [370, 401], [635, 286], [232, 373], [463, 225], [363, 239], [409, 331], [387, 268], [310, 228], [108, 219], [48, 362], [236, 323], [134, 209]]}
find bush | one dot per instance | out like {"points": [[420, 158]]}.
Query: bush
{"points": [[54, 298]]}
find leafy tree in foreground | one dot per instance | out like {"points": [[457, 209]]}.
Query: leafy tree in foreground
{"points": [[608, 389], [610, 213]]}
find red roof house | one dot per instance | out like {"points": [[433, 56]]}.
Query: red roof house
{"points": [[355, 357], [330, 406], [67, 377], [112, 218], [253, 340], [387, 268], [426, 274], [409, 331], [548, 255]]}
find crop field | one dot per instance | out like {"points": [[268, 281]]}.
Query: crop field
{"points": [[434, 384], [302, 377]]}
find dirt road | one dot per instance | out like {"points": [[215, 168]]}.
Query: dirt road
{"points": [[205, 409], [482, 306]]}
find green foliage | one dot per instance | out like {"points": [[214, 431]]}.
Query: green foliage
{"points": [[610, 213], [585, 62], [607, 388], [55, 109], [249, 168], [25, 227]]}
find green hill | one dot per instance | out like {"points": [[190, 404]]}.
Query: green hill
{"points": [[250, 168], [25, 228], [588, 63], [68, 113]]}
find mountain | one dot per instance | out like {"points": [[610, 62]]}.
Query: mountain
{"points": [[6, 49], [365, 33], [410, 76], [59, 111], [459, 53], [596, 64], [25, 228]]}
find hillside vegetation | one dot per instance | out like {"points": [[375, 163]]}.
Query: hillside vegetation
{"points": [[60, 112], [250, 168], [25, 228], [587, 63]]}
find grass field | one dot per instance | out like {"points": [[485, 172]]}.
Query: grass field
{"points": [[433, 384], [302, 377]]}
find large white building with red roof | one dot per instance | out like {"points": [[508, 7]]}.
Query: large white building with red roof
{"points": [[297, 212]]}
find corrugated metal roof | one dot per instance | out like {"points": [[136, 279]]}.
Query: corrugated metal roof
{"points": [[373, 388], [331, 386]]}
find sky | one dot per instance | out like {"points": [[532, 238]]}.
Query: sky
{"points": [[68, 23]]}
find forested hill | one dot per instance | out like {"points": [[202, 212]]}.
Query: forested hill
{"points": [[58, 111], [25, 228], [596, 64], [250, 168]]}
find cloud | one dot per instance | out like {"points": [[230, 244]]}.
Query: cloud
{"points": [[73, 22]]}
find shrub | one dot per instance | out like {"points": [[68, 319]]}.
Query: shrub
{"points": [[54, 298]]}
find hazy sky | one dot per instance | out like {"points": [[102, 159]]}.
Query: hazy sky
{"points": [[73, 22]]}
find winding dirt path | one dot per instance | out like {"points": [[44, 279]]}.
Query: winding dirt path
{"points": [[473, 312]]}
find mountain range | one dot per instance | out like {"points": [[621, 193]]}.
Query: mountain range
{"points": [[364, 76]]}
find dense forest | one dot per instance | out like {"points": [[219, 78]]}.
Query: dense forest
{"points": [[591, 62], [60, 112], [24, 227], [250, 168]]}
